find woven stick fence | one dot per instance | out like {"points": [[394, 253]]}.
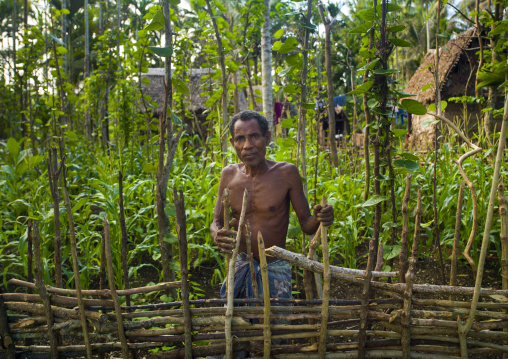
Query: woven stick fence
{"points": [[398, 324]]}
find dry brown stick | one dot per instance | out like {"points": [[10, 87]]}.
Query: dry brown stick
{"points": [[6, 342], [57, 311], [503, 214], [251, 262], [405, 230], [313, 256], [326, 288], [123, 227], [101, 293], [227, 218], [231, 280], [463, 329], [307, 275], [30, 275], [267, 334], [57, 300], [112, 288], [181, 228], [456, 238], [410, 276], [201, 351], [77, 279], [39, 280]]}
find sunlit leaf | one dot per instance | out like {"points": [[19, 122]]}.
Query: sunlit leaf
{"points": [[279, 33], [400, 42], [362, 88], [374, 200], [414, 107], [162, 51], [406, 164], [363, 28]]}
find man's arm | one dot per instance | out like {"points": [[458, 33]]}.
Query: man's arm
{"points": [[222, 238], [308, 222]]}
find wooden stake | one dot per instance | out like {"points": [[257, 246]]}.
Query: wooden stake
{"points": [[124, 238], [77, 279], [405, 230], [410, 276], [112, 288], [326, 288], [503, 214], [39, 281], [456, 238], [181, 228], [6, 343], [231, 280], [227, 218], [267, 335], [251, 262]]}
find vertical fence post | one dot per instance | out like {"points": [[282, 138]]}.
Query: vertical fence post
{"points": [[326, 288], [267, 334]]}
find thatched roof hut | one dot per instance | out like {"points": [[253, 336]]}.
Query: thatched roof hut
{"points": [[458, 64]]}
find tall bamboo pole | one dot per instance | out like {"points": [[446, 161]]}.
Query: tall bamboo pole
{"points": [[267, 334], [231, 281], [326, 289], [77, 279], [456, 237], [114, 295], [123, 227], [403, 265]]}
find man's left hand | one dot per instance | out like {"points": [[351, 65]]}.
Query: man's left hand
{"points": [[324, 214]]}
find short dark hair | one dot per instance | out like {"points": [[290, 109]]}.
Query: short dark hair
{"points": [[246, 116]]}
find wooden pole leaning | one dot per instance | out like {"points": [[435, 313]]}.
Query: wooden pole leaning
{"points": [[181, 228], [227, 218], [251, 262], [231, 281], [267, 334], [326, 288], [114, 295], [77, 279], [503, 214], [39, 281], [456, 237], [405, 229]]}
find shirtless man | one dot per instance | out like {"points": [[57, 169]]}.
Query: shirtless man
{"points": [[271, 187]]}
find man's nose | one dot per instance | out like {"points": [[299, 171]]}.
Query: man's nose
{"points": [[248, 143]]}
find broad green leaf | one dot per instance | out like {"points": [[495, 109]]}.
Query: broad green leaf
{"points": [[311, 27], [157, 22], [170, 210], [13, 147], [287, 123], [362, 88], [174, 2], [294, 60], [426, 87], [389, 8], [369, 66], [276, 45], [425, 225], [162, 51], [409, 156], [399, 132], [432, 106], [289, 89], [400, 42], [363, 28], [65, 11], [288, 46], [180, 86], [368, 14], [374, 200], [407, 165], [150, 167], [396, 28], [61, 50], [385, 72], [414, 107], [279, 33], [220, 6], [145, 81], [232, 66], [170, 238], [285, 71]]}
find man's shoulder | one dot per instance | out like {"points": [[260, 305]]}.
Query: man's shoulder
{"points": [[230, 170], [284, 168]]}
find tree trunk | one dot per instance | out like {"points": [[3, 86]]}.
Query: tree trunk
{"points": [[331, 110], [266, 68], [86, 74]]}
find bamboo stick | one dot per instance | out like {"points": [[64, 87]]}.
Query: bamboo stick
{"points": [[227, 218], [307, 275], [181, 228], [326, 288], [39, 280], [56, 311], [30, 275], [267, 335], [123, 227], [112, 288], [456, 238], [57, 300], [405, 230], [251, 262], [6, 342], [201, 351], [77, 279], [231, 280], [101, 293], [503, 214]]}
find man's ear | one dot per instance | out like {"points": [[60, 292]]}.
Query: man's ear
{"points": [[268, 137], [232, 141]]}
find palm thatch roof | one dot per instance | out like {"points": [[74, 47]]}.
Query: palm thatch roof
{"points": [[449, 57]]}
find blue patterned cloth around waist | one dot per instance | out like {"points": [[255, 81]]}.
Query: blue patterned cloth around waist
{"points": [[279, 279]]}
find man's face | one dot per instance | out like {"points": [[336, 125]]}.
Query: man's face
{"points": [[249, 143]]}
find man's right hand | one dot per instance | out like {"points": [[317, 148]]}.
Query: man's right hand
{"points": [[225, 239]]}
